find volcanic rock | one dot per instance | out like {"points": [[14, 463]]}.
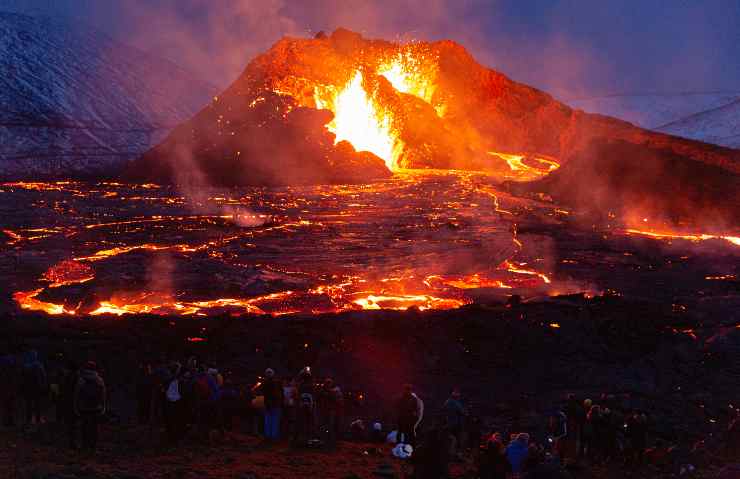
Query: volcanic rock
{"points": [[460, 116], [633, 181]]}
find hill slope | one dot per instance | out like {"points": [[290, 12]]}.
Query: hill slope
{"points": [[75, 102], [720, 126]]}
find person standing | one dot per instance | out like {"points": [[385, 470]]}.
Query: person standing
{"points": [[306, 407], [173, 418], [455, 416], [34, 386], [331, 403], [90, 404], [66, 402], [410, 413], [9, 393], [272, 390]]}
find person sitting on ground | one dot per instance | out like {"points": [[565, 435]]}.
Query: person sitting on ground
{"points": [[410, 414], [517, 452], [90, 403]]}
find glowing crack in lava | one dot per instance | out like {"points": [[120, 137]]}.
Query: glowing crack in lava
{"points": [[694, 237], [361, 121]]}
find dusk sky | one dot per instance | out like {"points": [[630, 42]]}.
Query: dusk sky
{"points": [[569, 47]]}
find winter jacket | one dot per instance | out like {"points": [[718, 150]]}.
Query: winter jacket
{"points": [[90, 394], [454, 412], [517, 453]]}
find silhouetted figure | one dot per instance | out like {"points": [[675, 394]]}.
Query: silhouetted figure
{"points": [[34, 386], [306, 407], [493, 462], [144, 386], [431, 458], [90, 404], [454, 411], [66, 402], [272, 390], [517, 453], [174, 419], [10, 372], [331, 403], [410, 411]]}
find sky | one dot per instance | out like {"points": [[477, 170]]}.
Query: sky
{"points": [[571, 48]]}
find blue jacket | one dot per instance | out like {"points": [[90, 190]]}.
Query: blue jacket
{"points": [[517, 453]]}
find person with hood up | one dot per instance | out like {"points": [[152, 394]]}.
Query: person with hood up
{"points": [[90, 403], [517, 452], [410, 414], [34, 386]]}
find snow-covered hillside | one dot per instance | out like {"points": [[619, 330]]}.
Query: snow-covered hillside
{"points": [[713, 117], [75, 102], [719, 125]]}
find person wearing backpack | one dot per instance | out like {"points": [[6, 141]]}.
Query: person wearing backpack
{"points": [[34, 386], [173, 417], [90, 404], [306, 407]]}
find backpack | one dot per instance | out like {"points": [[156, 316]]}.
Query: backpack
{"points": [[90, 395], [173, 391]]}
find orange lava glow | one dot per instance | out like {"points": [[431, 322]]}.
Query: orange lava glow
{"points": [[523, 171], [359, 119], [695, 237], [68, 272], [27, 300]]}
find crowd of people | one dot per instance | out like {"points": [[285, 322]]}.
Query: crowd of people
{"points": [[194, 399]]}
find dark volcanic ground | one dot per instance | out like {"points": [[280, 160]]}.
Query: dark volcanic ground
{"points": [[659, 325]]}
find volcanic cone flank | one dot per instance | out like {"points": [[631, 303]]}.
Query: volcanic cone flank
{"points": [[344, 108]]}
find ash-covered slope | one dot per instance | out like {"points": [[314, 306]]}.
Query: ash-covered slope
{"points": [[455, 114], [720, 125], [654, 110], [77, 103]]}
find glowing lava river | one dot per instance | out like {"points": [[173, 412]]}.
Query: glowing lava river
{"points": [[432, 240]]}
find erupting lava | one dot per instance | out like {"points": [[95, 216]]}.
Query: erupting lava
{"points": [[361, 121]]}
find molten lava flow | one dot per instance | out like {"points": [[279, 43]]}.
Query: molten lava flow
{"points": [[27, 300], [695, 237], [359, 120], [68, 272], [401, 302], [526, 172]]}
